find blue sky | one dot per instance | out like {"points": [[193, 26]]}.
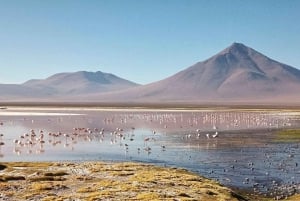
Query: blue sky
{"points": [[139, 40]]}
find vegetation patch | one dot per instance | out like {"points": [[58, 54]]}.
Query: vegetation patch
{"points": [[55, 174], [2, 167], [42, 186], [5, 178], [109, 181], [147, 196], [46, 178], [288, 135]]}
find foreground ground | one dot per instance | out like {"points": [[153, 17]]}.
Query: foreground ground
{"points": [[108, 181], [105, 181]]}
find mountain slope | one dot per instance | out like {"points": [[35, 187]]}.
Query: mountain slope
{"points": [[81, 82], [238, 73]]}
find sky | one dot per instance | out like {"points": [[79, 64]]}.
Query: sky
{"points": [[139, 40]]}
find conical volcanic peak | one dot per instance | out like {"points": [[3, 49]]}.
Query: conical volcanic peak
{"points": [[238, 73], [237, 48], [239, 51]]}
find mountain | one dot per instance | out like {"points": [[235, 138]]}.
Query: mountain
{"points": [[238, 73], [81, 82], [15, 90], [65, 85]]}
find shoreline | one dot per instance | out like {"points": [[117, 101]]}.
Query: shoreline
{"points": [[55, 110], [154, 105]]}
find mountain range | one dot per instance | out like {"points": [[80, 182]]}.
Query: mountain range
{"points": [[238, 73]]}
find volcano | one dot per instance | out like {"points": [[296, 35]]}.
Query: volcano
{"points": [[238, 73]]}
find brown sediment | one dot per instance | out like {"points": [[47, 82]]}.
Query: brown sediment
{"points": [[108, 181]]}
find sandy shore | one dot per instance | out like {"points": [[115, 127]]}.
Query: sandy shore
{"points": [[105, 181]]}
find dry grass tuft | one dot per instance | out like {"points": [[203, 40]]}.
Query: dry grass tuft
{"points": [[55, 174], [6, 178]]}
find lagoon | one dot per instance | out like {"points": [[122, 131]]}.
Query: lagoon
{"points": [[247, 153]]}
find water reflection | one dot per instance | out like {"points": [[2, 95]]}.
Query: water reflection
{"points": [[235, 147]]}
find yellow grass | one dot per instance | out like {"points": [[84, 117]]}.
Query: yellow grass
{"points": [[121, 181]]}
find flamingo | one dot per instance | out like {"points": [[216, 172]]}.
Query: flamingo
{"points": [[215, 135], [146, 140], [16, 141], [148, 150]]}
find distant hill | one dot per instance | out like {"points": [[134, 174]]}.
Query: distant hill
{"points": [[81, 82], [63, 85], [238, 73]]}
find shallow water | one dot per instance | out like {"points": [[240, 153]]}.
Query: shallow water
{"points": [[245, 154]]}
